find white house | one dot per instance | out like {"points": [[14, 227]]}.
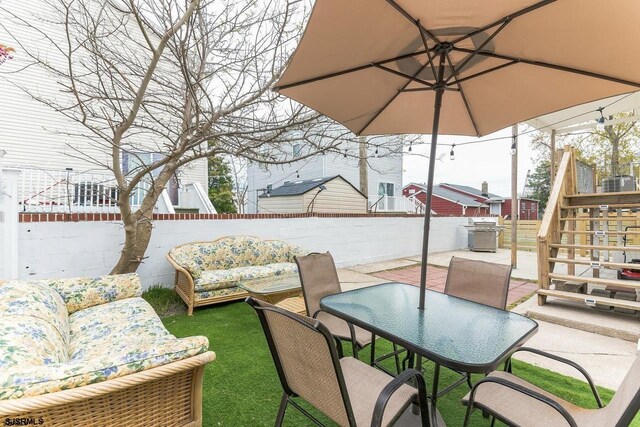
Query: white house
{"points": [[384, 173], [56, 174]]}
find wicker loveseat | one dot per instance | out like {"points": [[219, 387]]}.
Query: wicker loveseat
{"points": [[209, 272], [91, 352]]}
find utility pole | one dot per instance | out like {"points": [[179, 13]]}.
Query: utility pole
{"points": [[514, 197], [362, 164]]}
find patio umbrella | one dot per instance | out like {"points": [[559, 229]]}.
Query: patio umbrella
{"points": [[460, 67]]}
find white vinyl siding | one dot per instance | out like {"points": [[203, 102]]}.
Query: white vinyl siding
{"points": [[282, 204], [34, 135], [387, 169], [339, 197]]}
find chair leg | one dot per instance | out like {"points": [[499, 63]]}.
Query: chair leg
{"points": [[373, 349], [339, 347], [397, 357], [469, 381], [354, 346], [281, 411], [493, 421]]}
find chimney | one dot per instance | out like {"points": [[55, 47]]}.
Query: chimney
{"points": [[485, 188]]}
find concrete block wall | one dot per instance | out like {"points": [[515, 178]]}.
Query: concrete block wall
{"points": [[90, 248]]}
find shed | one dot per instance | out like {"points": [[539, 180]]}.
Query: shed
{"points": [[321, 195]]}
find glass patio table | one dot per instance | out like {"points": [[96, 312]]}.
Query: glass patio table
{"points": [[456, 333]]}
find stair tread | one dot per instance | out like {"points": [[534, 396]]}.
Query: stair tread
{"points": [[596, 280], [596, 247], [605, 264], [634, 305]]}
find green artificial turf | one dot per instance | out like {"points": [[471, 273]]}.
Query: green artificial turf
{"points": [[241, 387]]}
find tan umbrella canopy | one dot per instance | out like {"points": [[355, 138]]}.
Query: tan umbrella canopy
{"points": [[460, 67]]}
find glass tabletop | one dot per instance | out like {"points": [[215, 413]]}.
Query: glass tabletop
{"points": [[271, 285], [453, 332]]}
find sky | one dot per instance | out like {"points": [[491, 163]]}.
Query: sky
{"points": [[485, 161]]}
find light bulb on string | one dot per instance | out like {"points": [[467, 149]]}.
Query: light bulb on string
{"points": [[297, 174], [600, 120], [452, 155], [345, 154], [376, 149], [410, 146], [514, 149]]}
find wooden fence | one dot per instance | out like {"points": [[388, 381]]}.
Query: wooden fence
{"points": [[527, 234], [528, 231]]}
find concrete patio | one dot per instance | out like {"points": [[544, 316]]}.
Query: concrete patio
{"points": [[606, 351]]}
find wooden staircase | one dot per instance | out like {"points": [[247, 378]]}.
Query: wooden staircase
{"points": [[587, 230]]}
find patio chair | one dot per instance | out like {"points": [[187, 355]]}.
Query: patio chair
{"points": [[514, 401], [346, 390], [319, 278], [478, 281]]}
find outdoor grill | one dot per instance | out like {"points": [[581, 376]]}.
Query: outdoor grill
{"points": [[483, 235]]}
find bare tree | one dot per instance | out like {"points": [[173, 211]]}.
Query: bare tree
{"points": [[166, 82]]}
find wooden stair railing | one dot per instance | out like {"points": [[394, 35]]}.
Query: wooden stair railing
{"points": [[586, 224]]}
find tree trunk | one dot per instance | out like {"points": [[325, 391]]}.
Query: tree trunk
{"points": [[138, 225]]}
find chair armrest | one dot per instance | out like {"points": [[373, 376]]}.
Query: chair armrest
{"points": [[566, 362], [523, 390], [392, 387]]}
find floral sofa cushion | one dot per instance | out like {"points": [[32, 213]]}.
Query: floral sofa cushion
{"points": [[84, 292], [220, 279], [232, 252], [34, 324], [103, 341]]}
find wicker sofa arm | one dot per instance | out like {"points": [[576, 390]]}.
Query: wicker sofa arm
{"points": [[167, 395]]}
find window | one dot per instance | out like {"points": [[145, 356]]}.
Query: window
{"points": [[297, 150], [495, 208], [133, 161], [386, 189], [412, 191]]}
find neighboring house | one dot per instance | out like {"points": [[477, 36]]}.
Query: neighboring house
{"points": [[323, 195], [446, 202], [498, 205], [462, 200], [384, 174], [45, 146]]}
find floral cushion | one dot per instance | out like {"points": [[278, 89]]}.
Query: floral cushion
{"points": [[43, 349], [34, 320], [115, 326], [84, 292], [218, 293], [220, 279], [232, 252]]}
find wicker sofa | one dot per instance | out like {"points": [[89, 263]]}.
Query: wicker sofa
{"points": [[209, 272], [92, 352]]}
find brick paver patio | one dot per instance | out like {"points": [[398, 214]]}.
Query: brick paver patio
{"points": [[436, 278]]}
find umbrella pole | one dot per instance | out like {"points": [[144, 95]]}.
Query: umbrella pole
{"points": [[439, 88]]}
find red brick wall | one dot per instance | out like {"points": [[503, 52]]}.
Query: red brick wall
{"points": [[76, 217]]}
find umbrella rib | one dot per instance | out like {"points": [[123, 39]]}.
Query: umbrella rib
{"points": [[393, 98], [481, 73], [349, 70], [454, 73], [406, 76], [552, 66], [415, 22], [426, 46], [505, 19], [478, 49]]}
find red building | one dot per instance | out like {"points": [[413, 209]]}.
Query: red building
{"points": [[461, 200], [446, 202]]}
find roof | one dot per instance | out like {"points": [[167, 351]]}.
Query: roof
{"points": [[473, 191], [296, 188], [451, 195]]}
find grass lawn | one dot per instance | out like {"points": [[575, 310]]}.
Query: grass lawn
{"points": [[241, 387]]}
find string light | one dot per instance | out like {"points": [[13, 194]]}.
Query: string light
{"points": [[452, 155], [297, 174], [376, 149], [345, 154], [410, 145], [514, 149], [600, 120]]}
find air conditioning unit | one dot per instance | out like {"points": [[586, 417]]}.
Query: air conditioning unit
{"points": [[618, 183]]}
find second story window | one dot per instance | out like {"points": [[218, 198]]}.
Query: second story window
{"points": [[297, 150]]}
